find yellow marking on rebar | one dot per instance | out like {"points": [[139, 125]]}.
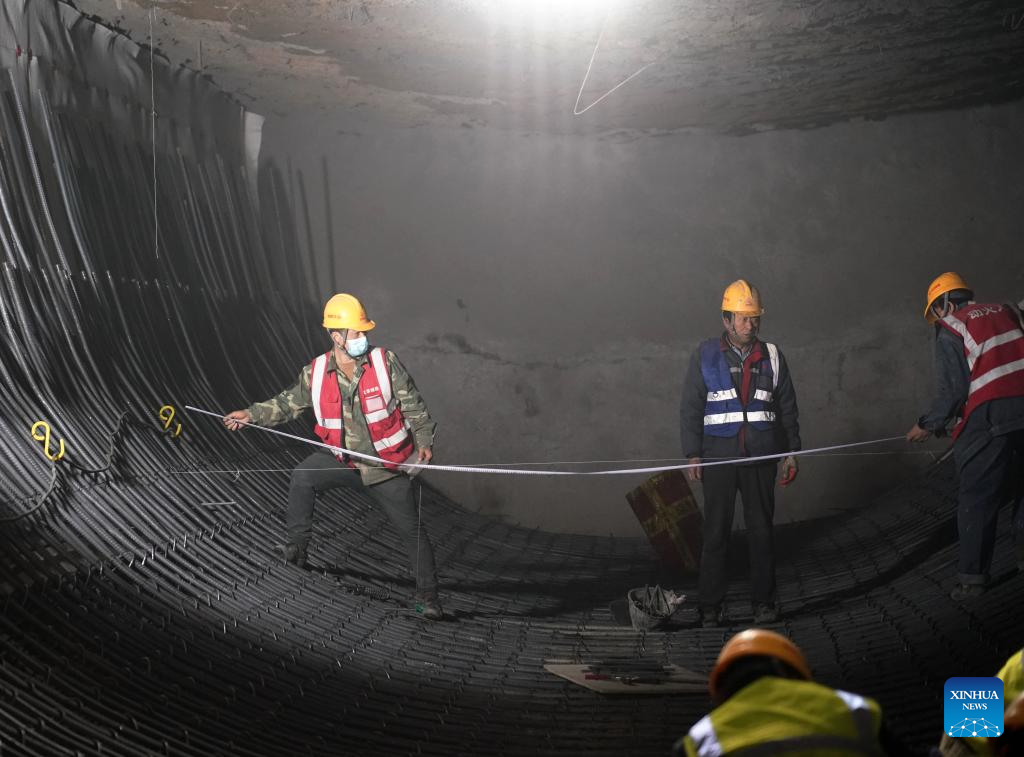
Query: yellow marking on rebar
{"points": [[45, 439], [167, 413]]}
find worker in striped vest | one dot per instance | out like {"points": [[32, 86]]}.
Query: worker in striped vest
{"points": [[766, 703], [738, 401], [365, 402], [979, 362]]}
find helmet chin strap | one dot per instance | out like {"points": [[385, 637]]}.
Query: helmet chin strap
{"points": [[942, 311], [735, 335], [340, 346]]}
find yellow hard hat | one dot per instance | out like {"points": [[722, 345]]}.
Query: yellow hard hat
{"points": [[742, 298], [757, 641], [343, 311], [947, 282]]}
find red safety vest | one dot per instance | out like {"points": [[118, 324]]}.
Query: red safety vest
{"points": [[994, 348], [389, 431]]}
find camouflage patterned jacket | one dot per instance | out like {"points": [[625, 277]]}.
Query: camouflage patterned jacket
{"points": [[292, 402]]}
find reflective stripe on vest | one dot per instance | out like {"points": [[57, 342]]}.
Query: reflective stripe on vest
{"points": [[724, 413], [773, 358], [326, 397], [759, 394], [707, 744], [384, 379], [704, 738], [717, 419], [995, 373], [862, 716], [972, 349], [993, 341], [316, 388], [390, 441], [388, 430]]}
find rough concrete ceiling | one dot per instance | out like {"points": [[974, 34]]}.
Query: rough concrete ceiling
{"points": [[728, 65]]}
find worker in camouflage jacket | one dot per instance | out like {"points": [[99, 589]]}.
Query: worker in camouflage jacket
{"points": [[364, 402]]}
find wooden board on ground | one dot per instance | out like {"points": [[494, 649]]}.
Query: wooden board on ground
{"points": [[676, 680], [668, 512]]}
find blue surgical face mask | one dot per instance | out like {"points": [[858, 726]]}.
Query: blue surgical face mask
{"points": [[357, 347]]}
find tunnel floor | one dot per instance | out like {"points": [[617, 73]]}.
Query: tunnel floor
{"points": [[196, 638], [145, 608]]}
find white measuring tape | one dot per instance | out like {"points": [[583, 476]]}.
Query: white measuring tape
{"points": [[513, 472]]}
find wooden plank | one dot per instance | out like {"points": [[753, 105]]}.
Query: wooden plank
{"points": [[676, 680]]}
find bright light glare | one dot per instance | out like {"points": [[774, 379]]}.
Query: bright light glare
{"points": [[547, 10], [538, 6]]}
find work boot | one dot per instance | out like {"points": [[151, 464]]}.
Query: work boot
{"points": [[765, 613], [711, 616], [296, 555], [428, 605], [967, 591]]}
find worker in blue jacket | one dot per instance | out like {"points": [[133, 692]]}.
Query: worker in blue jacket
{"points": [[738, 401]]}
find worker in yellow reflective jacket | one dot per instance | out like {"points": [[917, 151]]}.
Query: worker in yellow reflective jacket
{"points": [[767, 703]]}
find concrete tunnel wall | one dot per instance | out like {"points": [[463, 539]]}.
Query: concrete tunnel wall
{"points": [[146, 608], [547, 290]]}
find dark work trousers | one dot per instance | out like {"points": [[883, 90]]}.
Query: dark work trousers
{"points": [[989, 478], [756, 485], [322, 471]]}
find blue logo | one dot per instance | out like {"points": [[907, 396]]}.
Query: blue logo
{"points": [[973, 707]]}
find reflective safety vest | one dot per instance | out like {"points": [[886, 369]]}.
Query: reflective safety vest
{"points": [[1012, 676], [389, 431], [994, 347], [724, 412], [774, 716]]}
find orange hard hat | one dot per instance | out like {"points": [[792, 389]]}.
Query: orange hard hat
{"points": [[947, 282], [741, 298], [757, 642], [343, 311]]}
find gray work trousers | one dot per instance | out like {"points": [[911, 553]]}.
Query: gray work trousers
{"points": [[756, 485], [322, 471], [989, 478]]}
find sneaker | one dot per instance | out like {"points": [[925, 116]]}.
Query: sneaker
{"points": [[765, 613], [429, 607], [966, 591], [711, 617], [296, 555]]}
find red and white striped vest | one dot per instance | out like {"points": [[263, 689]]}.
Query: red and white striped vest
{"points": [[389, 431], [994, 348]]}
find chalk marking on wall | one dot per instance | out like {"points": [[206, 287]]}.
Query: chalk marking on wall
{"points": [[302, 48]]}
